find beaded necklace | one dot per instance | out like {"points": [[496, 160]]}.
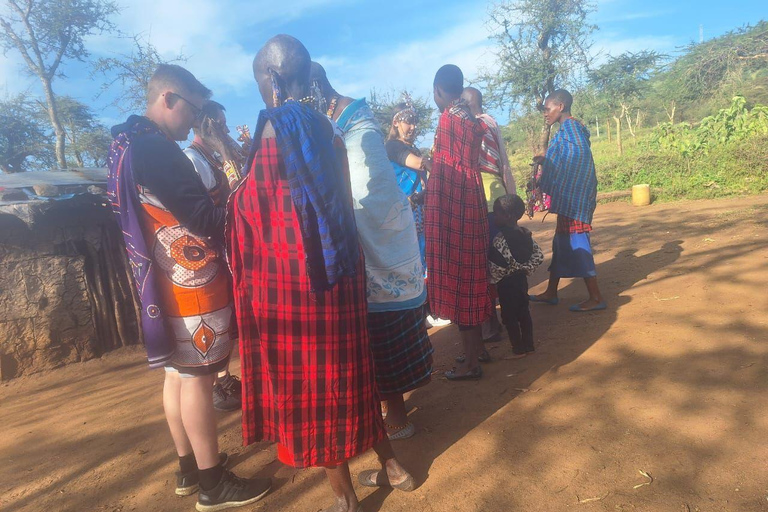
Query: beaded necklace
{"points": [[332, 107]]}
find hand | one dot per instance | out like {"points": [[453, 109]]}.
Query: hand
{"points": [[215, 136], [539, 159]]}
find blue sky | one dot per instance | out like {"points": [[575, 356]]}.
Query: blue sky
{"points": [[389, 45]]}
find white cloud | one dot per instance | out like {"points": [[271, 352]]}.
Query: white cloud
{"points": [[206, 32], [412, 65]]}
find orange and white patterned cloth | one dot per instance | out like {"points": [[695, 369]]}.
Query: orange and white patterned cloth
{"points": [[194, 285]]}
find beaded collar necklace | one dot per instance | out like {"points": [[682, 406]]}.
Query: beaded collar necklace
{"points": [[332, 107]]}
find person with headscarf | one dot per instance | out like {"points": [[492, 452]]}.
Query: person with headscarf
{"points": [[395, 274], [300, 285]]}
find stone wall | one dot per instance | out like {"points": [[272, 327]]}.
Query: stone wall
{"points": [[65, 291]]}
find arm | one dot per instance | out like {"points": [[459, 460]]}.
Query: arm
{"points": [[536, 259], [171, 177]]}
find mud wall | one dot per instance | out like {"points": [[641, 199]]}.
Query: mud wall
{"points": [[65, 290]]}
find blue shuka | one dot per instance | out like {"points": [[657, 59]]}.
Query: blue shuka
{"points": [[569, 173], [322, 198]]}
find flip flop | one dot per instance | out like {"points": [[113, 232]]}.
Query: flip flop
{"points": [[400, 433], [474, 374], [577, 309], [370, 478], [551, 302]]}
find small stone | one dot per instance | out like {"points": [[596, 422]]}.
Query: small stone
{"points": [[46, 190]]}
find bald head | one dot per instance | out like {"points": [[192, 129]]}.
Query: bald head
{"points": [[474, 99], [287, 60]]}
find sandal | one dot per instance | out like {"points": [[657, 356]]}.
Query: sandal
{"points": [[552, 302], [370, 478], [576, 308], [402, 432], [474, 374], [484, 357]]}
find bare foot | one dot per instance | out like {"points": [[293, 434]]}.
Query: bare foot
{"points": [[544, 297], [342, 506]]}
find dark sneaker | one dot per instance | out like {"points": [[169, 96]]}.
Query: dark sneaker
{"points": [[232, 492], [227, 394], [232, 385], [188, 484]]}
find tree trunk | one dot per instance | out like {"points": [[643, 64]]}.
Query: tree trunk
{"points": [[597, 125], [618, 135], [628, 116], [53, 114], [671, 112], [608, 129]]}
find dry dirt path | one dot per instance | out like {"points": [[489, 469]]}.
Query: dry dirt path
{"points": [[671, 381]]}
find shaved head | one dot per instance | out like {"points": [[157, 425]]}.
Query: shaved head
{"points": [[317, 72], [317, 75], [561, 96], [474, 99], [286, 60], [450, 79]]}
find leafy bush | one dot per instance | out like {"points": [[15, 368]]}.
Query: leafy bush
{"points": [[734, 123]]}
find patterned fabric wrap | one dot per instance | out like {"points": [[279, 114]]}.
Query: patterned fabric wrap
{"points": [[410, 182], [494, 162], [319, 190], [307, 366], [569, 173], [124, 199], [402, 352], [186, 285], [385, 223], [567, 225], [456, 222], [572, 250]]}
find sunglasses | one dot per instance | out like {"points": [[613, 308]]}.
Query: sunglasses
{"points": [[198, 112]]}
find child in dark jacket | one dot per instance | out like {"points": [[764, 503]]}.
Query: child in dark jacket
{"points": [[513, 257]]}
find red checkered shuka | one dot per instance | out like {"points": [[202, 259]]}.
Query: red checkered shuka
{"points": [[307, 368], [567, 225], [490, 156], [456, 223]]}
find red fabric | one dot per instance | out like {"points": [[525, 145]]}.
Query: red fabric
{"points": [[490, 155], [456, 223], [307, 368], [571, 226]]}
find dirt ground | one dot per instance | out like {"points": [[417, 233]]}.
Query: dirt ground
{"points": [[669, 381]]}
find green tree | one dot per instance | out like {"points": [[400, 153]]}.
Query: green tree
{"points": [[717, 70], [541, 46], [621, 81], [45, 33], [88, 139], [384, 107], [131, 72], [23, 140]]}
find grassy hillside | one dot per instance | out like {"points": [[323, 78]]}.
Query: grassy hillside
{"points": [[728, 170]]}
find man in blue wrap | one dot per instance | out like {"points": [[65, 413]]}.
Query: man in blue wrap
{"points": [[569, 178]]}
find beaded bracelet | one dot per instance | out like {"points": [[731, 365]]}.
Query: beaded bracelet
{"points": [[232, 172]]}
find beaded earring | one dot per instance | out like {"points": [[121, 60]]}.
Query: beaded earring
{"points": [[320, 103], [277, 93]]}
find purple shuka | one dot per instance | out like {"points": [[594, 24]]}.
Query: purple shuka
{"points": [[123, 196]]}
